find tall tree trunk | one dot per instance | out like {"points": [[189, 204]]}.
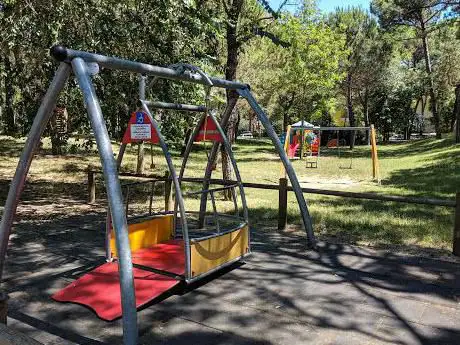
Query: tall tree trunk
{"points": [[351, 114], [457, 114], [251, 121], [285, 121], [237, 124], [9, 118], [288, 107], [366, 112], [412, 121], [422, 127], [429, 71], [233, 13]]}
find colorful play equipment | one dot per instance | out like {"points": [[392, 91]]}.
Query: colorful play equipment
{"points": [[294, 138], [312, 148], [301, 142], [149, 254], [303, 139], [162, 252]]}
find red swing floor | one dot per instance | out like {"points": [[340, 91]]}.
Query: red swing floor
{"points": [[100, 288]]}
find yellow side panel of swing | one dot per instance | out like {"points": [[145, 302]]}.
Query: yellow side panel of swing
{"points": [[214, 252], [147, 233]]}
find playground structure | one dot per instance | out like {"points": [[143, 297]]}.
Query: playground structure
{"points": [[147, 250], [304, 139]]}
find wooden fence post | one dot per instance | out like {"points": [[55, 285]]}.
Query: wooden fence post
{"points": [[140, 158], [375, 158], [168, 192], [282, 208], [91, 187], [456, 239]]}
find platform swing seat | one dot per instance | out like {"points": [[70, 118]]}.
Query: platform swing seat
{"points": [[165, 248], [149, 253]]}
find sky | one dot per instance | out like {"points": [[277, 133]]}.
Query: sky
{"points": [[330, 5]]}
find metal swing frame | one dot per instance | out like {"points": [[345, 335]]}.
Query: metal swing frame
{"points": [[76, 61]]}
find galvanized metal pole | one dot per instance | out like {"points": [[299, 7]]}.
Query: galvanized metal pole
{"points": [[209, 166], [179, 197], [108, 217], [176, 106], [121, 153], [207, 176], [287, 164], [189, 146], [128, 300], [33, 139], [229, 150], [61, 53], [188, 150]]}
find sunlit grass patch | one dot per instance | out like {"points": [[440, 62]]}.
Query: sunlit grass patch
{"points": [[426, 168]]}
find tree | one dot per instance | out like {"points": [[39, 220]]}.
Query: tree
{"points": [[446, 47], [162, 33], [397, 91], [297, 81], [244, 20], [424, 17], [360, 32]]}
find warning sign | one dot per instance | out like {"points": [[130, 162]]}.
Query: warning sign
{"points": [[140, 129], [141, 132], [208, 131]]}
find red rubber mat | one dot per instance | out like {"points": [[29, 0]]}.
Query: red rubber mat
{"points": [[168, 256], [100, 288]]}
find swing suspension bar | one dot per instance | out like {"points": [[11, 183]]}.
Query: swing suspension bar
{"points": [[64, 54], [176, 106]]}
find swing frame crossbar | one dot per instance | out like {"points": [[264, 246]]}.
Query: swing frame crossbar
{"points": [[77, 61], [175, 106]]}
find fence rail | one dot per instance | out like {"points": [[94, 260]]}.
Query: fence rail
{"points": [[283, 188]]}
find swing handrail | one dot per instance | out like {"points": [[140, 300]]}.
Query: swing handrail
{"points": [[207, 237]]}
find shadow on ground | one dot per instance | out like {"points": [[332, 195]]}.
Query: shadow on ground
{"points": [[284, 294]]}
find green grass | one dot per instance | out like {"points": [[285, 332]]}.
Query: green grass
{"points": [[425, 168]]}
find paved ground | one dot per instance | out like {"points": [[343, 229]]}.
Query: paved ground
{"points": [[282, 295]]}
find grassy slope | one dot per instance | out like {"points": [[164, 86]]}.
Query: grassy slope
{"points": [[422, 168]]}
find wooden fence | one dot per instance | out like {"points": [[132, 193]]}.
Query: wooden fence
{"points": [[283, 188]]}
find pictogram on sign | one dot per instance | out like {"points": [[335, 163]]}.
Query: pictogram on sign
{"points": [[140, 129]]}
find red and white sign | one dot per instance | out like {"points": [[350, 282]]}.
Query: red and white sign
{"points": [[140, 129], [208, 131], [141, 132]]}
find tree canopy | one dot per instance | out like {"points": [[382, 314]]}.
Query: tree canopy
{"points": [[392, 66]]}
